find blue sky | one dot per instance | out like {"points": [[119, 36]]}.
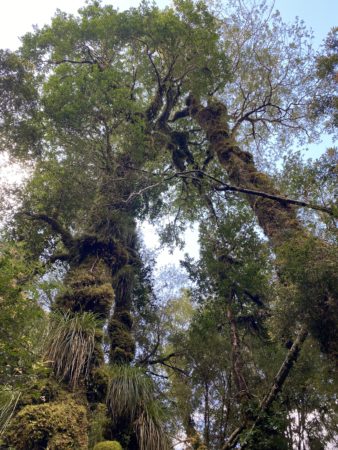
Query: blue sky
{"points": [[17, 16], [320, 15]]}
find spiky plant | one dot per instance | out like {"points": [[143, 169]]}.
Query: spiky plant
{"points": [[70, 345], [128, 389], [149, 429], [131, 394], [8, 401]]}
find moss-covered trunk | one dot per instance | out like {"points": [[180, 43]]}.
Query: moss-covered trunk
{"points": [[122, 344], [278, 220], [307, 262], [114, 219], [88, 289]]}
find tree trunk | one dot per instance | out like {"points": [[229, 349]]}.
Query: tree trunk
{"points": [[303, 260], [237, 360]]}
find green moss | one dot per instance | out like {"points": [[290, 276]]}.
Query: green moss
{"points": [[81, 277], [98, 384], [92, 270], [55, 426], [41, 391], [94, 298], [261, 180], [98, 423], [88, 288], [122, 342], [108, 445], [125, 318], [335, 211], [126, 272]]}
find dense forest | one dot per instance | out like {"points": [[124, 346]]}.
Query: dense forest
{"points": [[187, 116]]}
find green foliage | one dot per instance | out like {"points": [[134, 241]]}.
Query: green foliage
{"points": [[8, 401], [98, 103], [99, 422], [70, 345], [268, 434], [22, 319], [310, 267], [327, 71], [129, 389], [270, 59], [312, 387], [315, 182], [77, 96], [52, 425], [131, 395], [20, 120], [108, 445]]}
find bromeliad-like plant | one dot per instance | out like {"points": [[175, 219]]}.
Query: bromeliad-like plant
{"points": [[70, 345], [8, 401], [129, 389], [131, 394], [149, 428]]}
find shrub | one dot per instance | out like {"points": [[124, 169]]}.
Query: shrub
{"points": [[108, 445]]}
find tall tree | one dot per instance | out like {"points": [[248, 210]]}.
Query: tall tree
{"points": [[119, 111]]}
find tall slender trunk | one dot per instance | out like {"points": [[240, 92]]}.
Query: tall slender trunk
{"points": [[237, 359], [271, 395], [206, 415]]}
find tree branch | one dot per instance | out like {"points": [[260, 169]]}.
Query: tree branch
{"points": [[163, 359], [71, 61], [284, 371], [275, 389], [66, 237], [228, 187]]}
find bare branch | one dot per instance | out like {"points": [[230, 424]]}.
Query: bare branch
{"points": [[228, 187]]}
